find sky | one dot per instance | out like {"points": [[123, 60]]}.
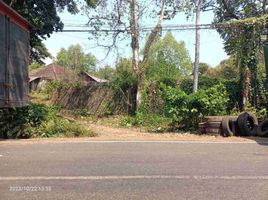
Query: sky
{"points": [[212, 51]]}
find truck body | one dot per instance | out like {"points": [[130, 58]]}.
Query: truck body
{"points": [[14, 58]]}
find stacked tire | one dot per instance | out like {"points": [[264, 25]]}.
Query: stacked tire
{"points": [[246, 124], [229, 126], [213, 125], [262, 129]]}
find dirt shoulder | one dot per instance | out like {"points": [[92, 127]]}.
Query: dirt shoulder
{"points": [[133, 134], [109, 133]]}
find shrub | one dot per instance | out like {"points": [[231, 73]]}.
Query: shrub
{"points": [[58, 127], [204, 82], [187, 110], [37, 120], [13, 123]]}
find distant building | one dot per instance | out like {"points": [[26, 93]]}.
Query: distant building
{"points": [[89, 79], [45, 74], [42, 76]]}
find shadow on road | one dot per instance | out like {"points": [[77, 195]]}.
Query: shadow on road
{"points": [[259, 140]]}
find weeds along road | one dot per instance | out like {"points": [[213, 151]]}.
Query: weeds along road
{"points": [[133, 170]]}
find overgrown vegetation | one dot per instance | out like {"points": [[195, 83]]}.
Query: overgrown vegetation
{"points": [[168, 103], [38, 120], [187, 110], [154, 88]]}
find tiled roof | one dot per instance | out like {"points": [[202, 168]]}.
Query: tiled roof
{"points": [[98, 80], [51, 71]]}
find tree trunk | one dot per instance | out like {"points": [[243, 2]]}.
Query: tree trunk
{"points": [[197, 45], [138, 68], [246, 86], [244, 79], [135, 49]]}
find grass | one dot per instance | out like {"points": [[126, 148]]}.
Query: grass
{"points": [[63, 128], [39, 119], [58, 127]]}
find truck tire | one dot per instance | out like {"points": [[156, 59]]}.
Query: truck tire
{"points": [[262, 129], [229, 127], [247, 124]]}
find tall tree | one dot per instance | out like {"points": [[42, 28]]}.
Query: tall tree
{"points": [[75, 58], [168, 61], [106, 72], [242, 38], [44, 19], [125, 17]]}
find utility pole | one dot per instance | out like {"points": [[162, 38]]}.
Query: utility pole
{"points": [[197, 44]]}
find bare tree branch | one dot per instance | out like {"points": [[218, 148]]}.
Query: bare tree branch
{"points": [[153, 34], [264, 6]]}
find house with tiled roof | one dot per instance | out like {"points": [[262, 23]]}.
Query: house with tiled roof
{"points": [[45, 74], [50, 72], [53, 71], [89, 79]]}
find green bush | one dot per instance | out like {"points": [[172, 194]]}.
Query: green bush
{"points": [[37, 120], [58, 127], [13, 123], [232, 87], [187, 110], [204, 82], [51, 86]]}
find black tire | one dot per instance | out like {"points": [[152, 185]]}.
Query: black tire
{"points": [[229, 126], [247, 124], [262, 129]]}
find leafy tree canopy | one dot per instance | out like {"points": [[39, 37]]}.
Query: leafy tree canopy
{"points": [[227, 69], [44, 19], [106, 72], [244, 21], [75, 58], [168, 61], [203, 68]]}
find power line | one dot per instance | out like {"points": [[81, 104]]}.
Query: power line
{"points": [[145, 29], [182, 27]]}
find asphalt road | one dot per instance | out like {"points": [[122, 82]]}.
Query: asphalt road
{"points": [[133, 170]]}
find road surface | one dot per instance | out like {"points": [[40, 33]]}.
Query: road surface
{"points": [[132, 170]]}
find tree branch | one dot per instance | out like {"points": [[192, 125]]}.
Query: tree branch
{"points": [[153, 34], [264, 6], [226, 7]]}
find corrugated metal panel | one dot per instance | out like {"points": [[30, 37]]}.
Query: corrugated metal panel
{"points": [[14, 92], [19, 65], [2, 58]]}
